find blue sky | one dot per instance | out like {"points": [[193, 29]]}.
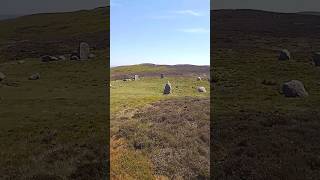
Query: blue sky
{"points": [[160, 32]]}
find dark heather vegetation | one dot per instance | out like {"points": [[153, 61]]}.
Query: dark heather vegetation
{"points": [[54, 127], [257, 132], [156, 136]]}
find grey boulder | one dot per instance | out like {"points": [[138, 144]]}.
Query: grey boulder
{"points": [[202, 89], [73, 57], [47, 58], [62, 58], [294, 88], [284, 55]]}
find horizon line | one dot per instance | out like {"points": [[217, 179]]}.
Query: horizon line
{"points": [[264, 10], [112, 66]]}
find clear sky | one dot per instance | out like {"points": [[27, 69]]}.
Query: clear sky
{"points": [[160, 32]]}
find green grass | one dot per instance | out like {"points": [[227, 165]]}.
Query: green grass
{"points": [[240, 82], [64, 111], [133, 94]]}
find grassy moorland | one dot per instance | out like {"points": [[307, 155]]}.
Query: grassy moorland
{"points": [[54, 127], [258, 133], [155, 131]]}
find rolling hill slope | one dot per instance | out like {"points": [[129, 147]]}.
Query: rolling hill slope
{"points": [[315, 13], [153, 70], [266, 31], [54, 33]]}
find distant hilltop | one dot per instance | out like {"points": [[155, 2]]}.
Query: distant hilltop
{"points": [[310, 13], [5, 16], [154, 65], [151, 70], [258, 11]]}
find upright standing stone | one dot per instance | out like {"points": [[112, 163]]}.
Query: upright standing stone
{"points": [[162, 76], [136, 77], [316, 58], [167, 88], [284, 55], [84, 51]]}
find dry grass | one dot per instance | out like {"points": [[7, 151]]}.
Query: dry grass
{"points": [[175, 135], [127, 164]]}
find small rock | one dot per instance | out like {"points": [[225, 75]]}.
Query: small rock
{"points": [[202, 89], [199, 78], [284, 55], [63, 58], [35, 76], [162, 76], [53, 58], [74, 58], [294, 88], [47, 58]]}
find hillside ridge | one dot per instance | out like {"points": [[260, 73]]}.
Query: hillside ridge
{"points": [[32, 36]]}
